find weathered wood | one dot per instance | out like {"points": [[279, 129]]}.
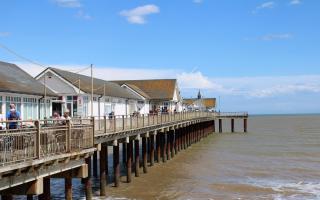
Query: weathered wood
{"points": [[152, 150], [232, 125], [245, 124], [129, 160], [95, 164], [137, 158], [220, 125], [68, 187], [103, 169], [87, 181], [144, 155], [158, 146], [116, 165], [46, 195]]}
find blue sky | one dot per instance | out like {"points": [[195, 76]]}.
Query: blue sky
{"points": [[259, 56]]}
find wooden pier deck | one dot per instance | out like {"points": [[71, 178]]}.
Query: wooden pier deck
{"points": [[40, 150]]}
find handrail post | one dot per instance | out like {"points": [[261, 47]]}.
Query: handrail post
{"points": [[142, 120], [130, 121], [114, 123], [122, 122], [37, 123], [161, 118], [137, 121], [148, 119], [68, 136], [93, 129], [105, 123]]}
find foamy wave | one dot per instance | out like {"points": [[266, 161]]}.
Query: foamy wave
{"points": [[292, 191]]}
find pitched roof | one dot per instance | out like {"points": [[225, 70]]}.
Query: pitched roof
{"points": [[111, 89], [156, 89], [14, 80], [208, 102], [138, 90]]}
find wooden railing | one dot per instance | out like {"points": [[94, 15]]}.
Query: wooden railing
{"points": [[111, 124], [36, 139]]}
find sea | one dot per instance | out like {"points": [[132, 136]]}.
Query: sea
{"points": [[278, 159]]}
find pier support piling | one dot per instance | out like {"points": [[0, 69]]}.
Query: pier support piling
{"points": [[68, 187], [87, 181], [245, 123], [46, 195], [137, 158], [103, 169], [95, 164], [116, 165], [129, 160], [152, 150], [232, 125], [144, 154], [158, 146], [220, 125]]}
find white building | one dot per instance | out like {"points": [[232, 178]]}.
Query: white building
{"points": [[18, 87], [157, 94], [74, 91]]}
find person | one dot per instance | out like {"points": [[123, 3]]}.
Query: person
{"points": [[111, 116], [66, 116], [2, 123], [13, 114], [56, 118]]}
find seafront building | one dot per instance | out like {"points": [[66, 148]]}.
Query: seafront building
{"points": [[74, 91], [199, 103], [18, 87], [159, 95]]}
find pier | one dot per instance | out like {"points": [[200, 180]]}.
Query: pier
{"points": [[41, 150]]}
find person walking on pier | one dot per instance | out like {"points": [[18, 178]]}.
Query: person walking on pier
{"points": [[13, 115]]}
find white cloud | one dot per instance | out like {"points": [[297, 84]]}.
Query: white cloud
{"points": [[295, 2], [197, 1], [5, 34], [196, 80], [82, 15], [68, 3], [270, 37], [245, 87], [138, 14], [266, 5]]}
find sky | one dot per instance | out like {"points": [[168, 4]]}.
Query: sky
{"points": [[258, 56]]}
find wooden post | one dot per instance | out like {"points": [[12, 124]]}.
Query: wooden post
{"points": [[103, 169], [37, 123], [152, 150], [173, 148], [87, 181], [116, 165], [46, 195], [137, 158], [114, 123], [245, 123], [232, 125], [129, 160], [95, 164], [68, 136], [105, 124], [144, 154], [169, 145], [158, 146], [164, 147], [68, 187], [220, 125], [123, 122], [124, 152], [213, 126]]}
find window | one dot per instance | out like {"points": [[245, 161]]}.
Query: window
{"points": [[45, 109], [85, 106], [72, 105], [30, 108], [140, 102]]}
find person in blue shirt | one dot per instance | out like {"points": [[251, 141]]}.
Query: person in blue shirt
{"points": [[13, 114]]}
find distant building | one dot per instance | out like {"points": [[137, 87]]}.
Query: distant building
{"points": [[157, 94], [74, 91], [199, 103], [18, 87]]}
